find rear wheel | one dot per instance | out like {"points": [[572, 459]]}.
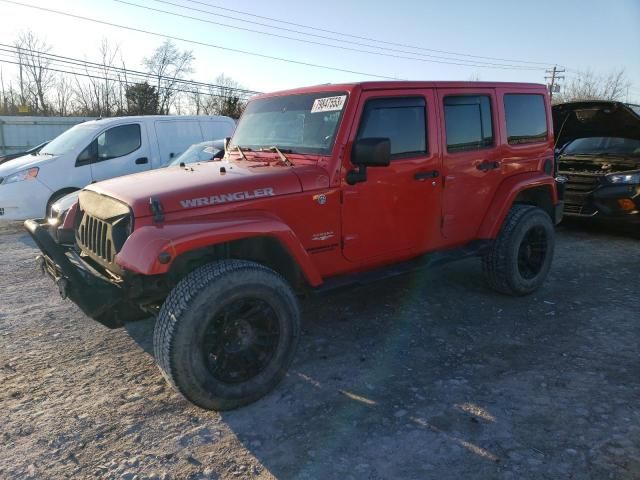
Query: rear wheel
{"points": [[521, 256], [227, 333]]}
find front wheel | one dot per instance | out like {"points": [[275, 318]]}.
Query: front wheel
{"points": [[520, 258], [227, 333]]}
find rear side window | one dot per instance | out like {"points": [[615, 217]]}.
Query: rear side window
{"points": [[214, 130], [401, 120], [526, 118], [468, 122]]}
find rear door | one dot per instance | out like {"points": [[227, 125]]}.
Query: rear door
{"points": [[397, 208], [175, 136], [118, 150], [472, 167]]}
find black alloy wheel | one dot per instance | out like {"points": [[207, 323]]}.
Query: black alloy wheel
{"points": [[532, 252], [240, 340]]}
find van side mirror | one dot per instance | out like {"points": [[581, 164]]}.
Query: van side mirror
{"points": [[368, 152]]}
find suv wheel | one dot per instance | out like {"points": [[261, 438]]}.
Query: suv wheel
{"points": [[227, 333], [520, 258]]}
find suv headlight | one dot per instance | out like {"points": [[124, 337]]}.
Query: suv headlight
{"points": [[624, 178], [28, 174]]}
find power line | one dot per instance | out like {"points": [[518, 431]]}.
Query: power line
{"points": [[356, 36], [197, 42], [95, 65], [443, 60], [103, 77]]}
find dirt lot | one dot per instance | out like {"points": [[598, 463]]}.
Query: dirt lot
{"points": [[428, 376]]}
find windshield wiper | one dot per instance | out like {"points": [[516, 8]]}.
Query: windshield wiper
{"points": [[282, 156], [240, 150]]}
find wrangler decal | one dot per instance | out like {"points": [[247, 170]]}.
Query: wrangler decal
{"points": [[227, 197]]}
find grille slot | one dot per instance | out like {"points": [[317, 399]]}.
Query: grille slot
{"points": [[102, 226], [581, 183]]}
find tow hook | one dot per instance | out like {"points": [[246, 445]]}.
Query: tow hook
{"points": [[41, 264], [62, 284]]}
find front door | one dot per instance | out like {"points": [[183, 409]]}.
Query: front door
{"points": [[118, 151], [471, 161], [396, 209]]}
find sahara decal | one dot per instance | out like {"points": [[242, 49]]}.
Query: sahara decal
{"points": [[227, 197]]}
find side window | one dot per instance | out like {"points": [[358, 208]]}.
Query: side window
{"points": [[402, 120], [468, 122], [118, 142], [526, 118]]}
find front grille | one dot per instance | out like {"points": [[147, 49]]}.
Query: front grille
{"points": [[95, 236], [102, 226], [584, 183], [578, 209]]}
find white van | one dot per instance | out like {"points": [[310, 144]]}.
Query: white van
{"points": [[98, 150]]}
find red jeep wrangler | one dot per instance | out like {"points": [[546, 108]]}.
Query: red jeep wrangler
{"points": [[319, 187]]}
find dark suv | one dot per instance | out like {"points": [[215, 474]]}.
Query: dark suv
{"points": [[599, 158]]}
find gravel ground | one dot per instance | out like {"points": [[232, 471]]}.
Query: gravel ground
{"points": [[426, 376]]}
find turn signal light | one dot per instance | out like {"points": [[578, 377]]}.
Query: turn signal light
{"points": [[626, 204]]}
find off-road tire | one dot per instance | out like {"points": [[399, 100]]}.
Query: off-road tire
{"points": [[185, 314], [500, 265]]}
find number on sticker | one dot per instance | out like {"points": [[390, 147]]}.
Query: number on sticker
{"points": [[328, 104]]}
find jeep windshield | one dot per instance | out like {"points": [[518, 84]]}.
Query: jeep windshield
{"points": [[305, 123]]}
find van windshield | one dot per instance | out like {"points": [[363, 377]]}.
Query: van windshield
{"points": [[304, 123], [77, 136]]}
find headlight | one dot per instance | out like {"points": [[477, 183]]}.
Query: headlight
{"points": [[28, 174], [624, 178]]}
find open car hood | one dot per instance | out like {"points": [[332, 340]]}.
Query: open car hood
{"points": [[595, 118]]}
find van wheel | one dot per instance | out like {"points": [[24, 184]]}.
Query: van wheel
{"points": [[521, 255], [227, 333]]}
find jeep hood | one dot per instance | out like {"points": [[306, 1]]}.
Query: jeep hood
{"points": [[595, 119], [199, 185]]}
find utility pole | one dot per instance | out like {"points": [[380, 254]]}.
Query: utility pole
{"points": [[554, 77]]}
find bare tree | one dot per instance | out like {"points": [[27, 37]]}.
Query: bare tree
{"points": [[103, 91], [64, 96], [587, 85], [35, 77], [168, 65], [224, 98], [9, 96]]}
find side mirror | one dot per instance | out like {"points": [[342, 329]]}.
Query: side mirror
{"points": [[368, 152]]}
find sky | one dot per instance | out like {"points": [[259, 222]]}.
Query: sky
{"points": [[600, 36]]}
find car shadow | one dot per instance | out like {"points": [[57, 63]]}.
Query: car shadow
{"points": [[600, 228], [425, 375]]}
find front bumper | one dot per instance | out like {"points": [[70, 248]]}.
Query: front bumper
{"points": [[97, 296], [22, 200], [603, 203]]}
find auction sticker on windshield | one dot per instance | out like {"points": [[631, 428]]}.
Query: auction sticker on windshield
{"points": [[328, 104]]}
